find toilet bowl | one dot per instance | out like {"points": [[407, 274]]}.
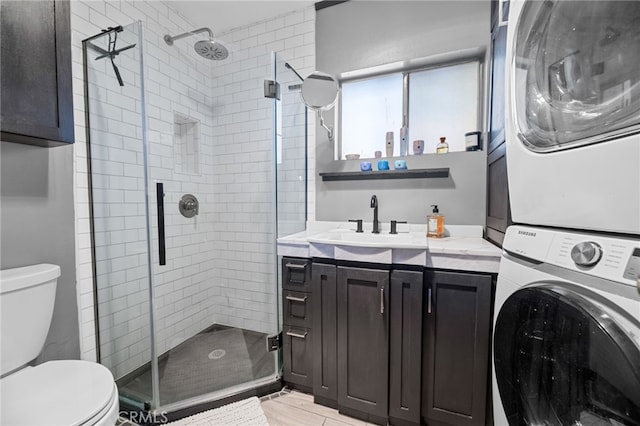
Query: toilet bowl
{"points": [[66, 392]]}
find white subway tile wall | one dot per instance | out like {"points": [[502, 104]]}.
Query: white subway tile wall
{"points": [[219, 264], [119, 204]]}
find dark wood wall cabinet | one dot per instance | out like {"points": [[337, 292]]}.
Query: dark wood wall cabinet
{"points": [[498, 211], [37, 95], [396, 344]]}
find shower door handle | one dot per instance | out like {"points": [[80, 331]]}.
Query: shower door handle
{"points": [[161, 242]]}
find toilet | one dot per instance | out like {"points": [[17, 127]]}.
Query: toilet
{"points": [[68, 392]]}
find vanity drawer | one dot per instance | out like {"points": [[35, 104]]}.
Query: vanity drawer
{"points": [[298, 361], [296, 274], [296, 307]]}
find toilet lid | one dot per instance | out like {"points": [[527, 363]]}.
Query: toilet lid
{"points": [[56, 393]]}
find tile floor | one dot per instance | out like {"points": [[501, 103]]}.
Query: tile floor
{"points": [[293, 408]]}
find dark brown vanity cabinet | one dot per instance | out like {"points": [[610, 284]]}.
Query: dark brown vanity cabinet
{"points": [[456, 348], [405, 348], [297, 344], [37, 95], [363, 343], [402, 345], [379, 344], [325, 325]]}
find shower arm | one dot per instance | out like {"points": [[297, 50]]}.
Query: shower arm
{"points": [[170, 39]]}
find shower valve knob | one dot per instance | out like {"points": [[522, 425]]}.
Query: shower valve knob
{"points": [[188, 205]]}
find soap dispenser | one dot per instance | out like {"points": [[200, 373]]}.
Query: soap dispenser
{"points": [[435, 223]]}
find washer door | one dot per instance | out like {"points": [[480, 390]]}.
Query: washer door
{"points": [[562, 359], [576, 78]]}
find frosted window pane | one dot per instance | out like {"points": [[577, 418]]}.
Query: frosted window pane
{"points": [[443, 102], [370, 109]]}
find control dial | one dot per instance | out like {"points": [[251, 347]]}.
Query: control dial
{"points": [[587, 253]]}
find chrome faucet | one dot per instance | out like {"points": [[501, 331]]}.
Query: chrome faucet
{"points": [[374, 206]]}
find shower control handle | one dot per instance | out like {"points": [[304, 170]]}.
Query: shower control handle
{"points": [[189, 205]]}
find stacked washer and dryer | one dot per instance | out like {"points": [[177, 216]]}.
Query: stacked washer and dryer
{"points": [[566, 347]]}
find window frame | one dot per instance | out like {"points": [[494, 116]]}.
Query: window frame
{"points": [[406, 68]]}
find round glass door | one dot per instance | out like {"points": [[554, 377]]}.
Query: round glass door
{"points": [[575, 71], [561, 359]]}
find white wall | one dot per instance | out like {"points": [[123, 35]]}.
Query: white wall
{"points": [[220, 264], [362, 34], [37, 223]]}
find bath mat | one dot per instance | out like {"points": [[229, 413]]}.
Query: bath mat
{"points": [[247, 412]]}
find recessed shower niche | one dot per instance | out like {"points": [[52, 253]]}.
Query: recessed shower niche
{"points": [[186, 144]]}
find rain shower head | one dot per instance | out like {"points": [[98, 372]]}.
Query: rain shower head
{"points": [[209, 49]]}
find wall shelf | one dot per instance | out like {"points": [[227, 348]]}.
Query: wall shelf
{"points": [[386, 174]]}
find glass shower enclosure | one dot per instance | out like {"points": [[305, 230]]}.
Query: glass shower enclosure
{"points": [[192, 175]]}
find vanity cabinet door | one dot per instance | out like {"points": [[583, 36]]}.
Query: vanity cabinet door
{"points": [[456, 351], [405, 347], [363, 354], [297, 350], [325, 326], [37, 97]]}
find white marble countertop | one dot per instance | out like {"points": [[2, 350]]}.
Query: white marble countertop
{"points": [[463, 247]]}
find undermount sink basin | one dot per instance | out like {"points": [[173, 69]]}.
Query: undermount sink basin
{"points": [[346, 244], [368, 239]]}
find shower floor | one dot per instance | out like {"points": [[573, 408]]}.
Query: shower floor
{"points": [[214, 359]]}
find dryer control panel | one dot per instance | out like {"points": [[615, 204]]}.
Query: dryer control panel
{"points": [[612, 258], [632, 271]]}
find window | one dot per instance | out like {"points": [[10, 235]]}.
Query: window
{"points": [[439, 101], [371, 108]]}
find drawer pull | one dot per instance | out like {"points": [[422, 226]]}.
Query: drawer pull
{"points": [[297, 299], [382, 300], [298, 335], [429, 301], [296, 266]]}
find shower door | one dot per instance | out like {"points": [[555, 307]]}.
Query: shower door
{"points": [[291, 150], [242, 157], [194, 173], [118, 201]]}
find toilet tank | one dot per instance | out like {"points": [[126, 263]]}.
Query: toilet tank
{"points": [[27, 296]]}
